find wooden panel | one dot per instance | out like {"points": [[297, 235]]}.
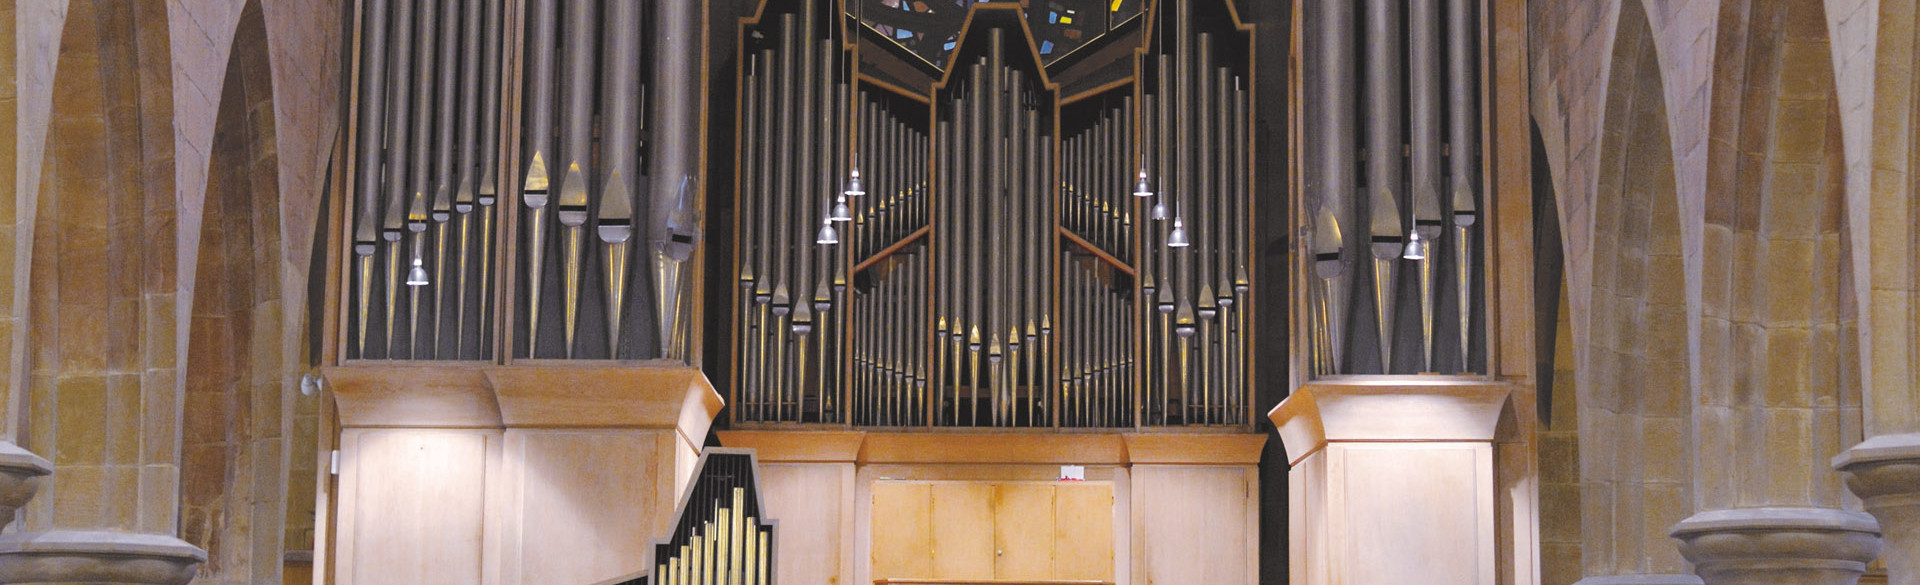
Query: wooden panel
{"points": [[1023, 530], [902, 529], [1421, 500], [412, 506], [587, 502], [962, 530], [807, 501], [1194, 524], [1083, 528]]}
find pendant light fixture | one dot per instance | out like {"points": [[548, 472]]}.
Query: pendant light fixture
{"points": [[1178, 237], [827, 235], [1416, 247], [417, 276], [841, 213]]}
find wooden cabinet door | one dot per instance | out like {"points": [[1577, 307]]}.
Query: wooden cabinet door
{"points": [[962, 530], [993, 530], [1083, 531], [902, 529], [1023, 530]]}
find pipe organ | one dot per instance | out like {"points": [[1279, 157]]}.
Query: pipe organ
{"points": [[721, 534], [1399, 153], [423, 183], [583, 257], [992, 243], [1196, 131], [797, 110], [997, 278]]}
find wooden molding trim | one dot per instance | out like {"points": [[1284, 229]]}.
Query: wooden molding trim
{"points": [[486, 396], [408, 395], [798, 446], [1389, 410], [1114, 449], [1195, 449]]}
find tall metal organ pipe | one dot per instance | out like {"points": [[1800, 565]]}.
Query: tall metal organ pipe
{"points": [[1423, 75], [576, 149], [672, 154], [1335, 129], [620, 92], [542, 30], [490, 163], [422, 136], [1385, 109], [371, 131], [441, 208], [468, 171], [1463, 159]]}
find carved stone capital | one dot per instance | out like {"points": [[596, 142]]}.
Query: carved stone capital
{"points": [[1815, 546], [64, 556], [1885, 472], [21, 473]]}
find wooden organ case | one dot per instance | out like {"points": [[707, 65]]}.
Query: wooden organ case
{"points": [[919, 355]]}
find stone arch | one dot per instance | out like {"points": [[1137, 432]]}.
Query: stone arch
{"points": [[101, 392], [1632, 381], [234, 458]]}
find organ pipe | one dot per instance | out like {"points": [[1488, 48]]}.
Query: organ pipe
{"points": [[675, 225], [620, 135], [1463, 147], [370, 130], [543, 22], [441, 208], [490, 162], [1384, 112], [468, 166], [576, 148], [1424, 158], [393, 220]]}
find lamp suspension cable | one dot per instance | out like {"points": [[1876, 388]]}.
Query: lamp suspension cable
{"points": [[1142, 188], [854, 186]]}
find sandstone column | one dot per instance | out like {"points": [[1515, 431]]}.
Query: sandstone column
{"points": [[1772, 401], [1884, 471], [94, 385]]}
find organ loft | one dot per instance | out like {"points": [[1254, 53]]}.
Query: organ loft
{"points": [[947, 292]]}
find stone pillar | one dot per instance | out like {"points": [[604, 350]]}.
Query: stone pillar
{"points": [[1885, 472], [1388, 478], [96, 385], [1773, 401]]}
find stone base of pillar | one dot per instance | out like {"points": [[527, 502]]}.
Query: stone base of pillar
{"points": [[64, 556], [20, 475], [1755, 546], [1885, 472], [1641, 580]]}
